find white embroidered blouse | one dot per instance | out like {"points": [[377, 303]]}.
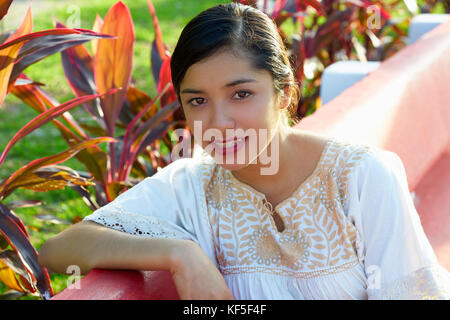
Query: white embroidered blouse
{"points": [[351, 228]]}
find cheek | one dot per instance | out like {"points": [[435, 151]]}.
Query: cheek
{"points": [[263, 112], [196, 124]]}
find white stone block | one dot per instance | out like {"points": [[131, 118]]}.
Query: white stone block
{"points": [[343, 74], [424, 23]]}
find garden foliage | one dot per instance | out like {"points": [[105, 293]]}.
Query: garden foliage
{"points": [[102, 84]]}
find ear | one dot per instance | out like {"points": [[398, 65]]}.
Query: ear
{"points": [[285, 98]]}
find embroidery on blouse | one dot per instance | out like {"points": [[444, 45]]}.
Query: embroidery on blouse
{"points": [[292, 250], [428, 283], [318, 238], [219, 194]]}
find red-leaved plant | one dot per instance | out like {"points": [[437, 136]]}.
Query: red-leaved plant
{"points": [[102, 83], [146, 120], [351, 30], [19, 267]]}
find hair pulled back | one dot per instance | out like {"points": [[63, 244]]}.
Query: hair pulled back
{"points": [[246, 32]]}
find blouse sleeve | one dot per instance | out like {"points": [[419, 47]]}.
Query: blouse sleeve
{"points": [[398, 258], [163, 205]]}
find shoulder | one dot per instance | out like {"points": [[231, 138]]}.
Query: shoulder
{"points": [[200, 159], [345, 157], [335, 153], [200, 169], [369, 172], [177, 172], [354, 166]]}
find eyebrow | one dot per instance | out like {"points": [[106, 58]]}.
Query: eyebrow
{"points": [[231, 84]]}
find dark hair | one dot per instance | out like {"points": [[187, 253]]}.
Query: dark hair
{"points": [[243, 30]]}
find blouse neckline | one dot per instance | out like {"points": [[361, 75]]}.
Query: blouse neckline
{"points": [[315, 172]]}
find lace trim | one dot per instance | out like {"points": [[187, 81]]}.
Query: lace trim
{"points": [[118, 218], [428, 283], [293, 274]]}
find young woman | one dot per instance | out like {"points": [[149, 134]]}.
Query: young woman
{"points": [[330, 220]]}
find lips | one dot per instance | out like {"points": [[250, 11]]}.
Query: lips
{"points": [[229, 143], [230, 147]]}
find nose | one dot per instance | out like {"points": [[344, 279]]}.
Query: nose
{"points": [[222, 118]]}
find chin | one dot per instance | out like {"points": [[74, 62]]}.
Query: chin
{"points": [[232, 164], [234, 161], [233, 167]]}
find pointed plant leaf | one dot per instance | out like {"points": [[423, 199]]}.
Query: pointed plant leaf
{"points": [[39, 100], [139, 169], [4, 6], [15, 218], [26, 252], [125, 115], [115, 188], [31, 95], [51, 32], [137, 100], [11, 295], [10, 69], [313, 3], [78, 66], [6, 35], [128, 138], [157, 132], [96, 28], [79, 70], [23, 204], [278, 7], [25, 28], [159, 50], [94, 158], [46, 117], [50, 160], [117, 54], [9, 54], [165, 78], [43, 99], [146, 130], [3, 243], [155, 63], [86, 196], [8, 277], [93, 129], [12, 260], [49, 178], [63, 174], [38, 48], [158, 33], [51, 218], [22, 82], [161, 115]]}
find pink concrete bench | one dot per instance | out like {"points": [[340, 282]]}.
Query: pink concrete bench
{"points": [[403, 106]]}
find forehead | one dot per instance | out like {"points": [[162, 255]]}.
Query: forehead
{"points": [[222, 68]]}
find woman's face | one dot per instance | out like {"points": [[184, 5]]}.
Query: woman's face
{"points": [[224, 92]]}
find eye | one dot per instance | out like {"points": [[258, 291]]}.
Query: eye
{"points": [[196, 100], [243, 94]]}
